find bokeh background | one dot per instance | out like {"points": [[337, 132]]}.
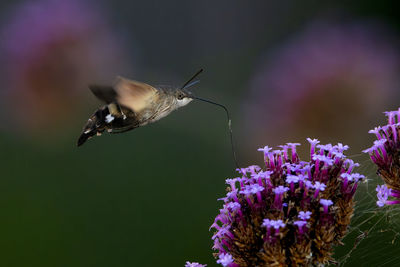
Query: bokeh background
{"points": [[287, 70]]}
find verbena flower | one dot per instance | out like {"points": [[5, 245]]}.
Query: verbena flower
{"points": [[194, 264], [385, 153], [291, 213]]}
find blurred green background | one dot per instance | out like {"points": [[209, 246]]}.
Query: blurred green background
{"points": [[148, 197]]}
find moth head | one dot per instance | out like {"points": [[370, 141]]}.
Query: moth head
{"points": [[182, 97]]}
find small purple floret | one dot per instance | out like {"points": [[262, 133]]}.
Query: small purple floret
{"points": [[233, 206], [267, 223], [304, 215], [251, 189], [194, 264], [382, 193], [328, 161], [318, 187], [225, 259], [292, 179], [278, 224], [326, 203], [265, 149], [300, 225], [280, 190], [340, 147]]}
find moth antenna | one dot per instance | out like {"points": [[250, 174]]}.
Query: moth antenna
{"points": [[191, 79], [190, 84], [229, 124]]}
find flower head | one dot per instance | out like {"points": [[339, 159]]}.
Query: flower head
{"points": [[292, 218], [385, 153]]}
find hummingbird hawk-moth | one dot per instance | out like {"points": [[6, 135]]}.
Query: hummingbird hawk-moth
{"points": [[132, 104]]}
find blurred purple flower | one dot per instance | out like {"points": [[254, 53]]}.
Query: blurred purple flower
{"points": [[385, 153], [194, 264], [328, 75], [52, 49], [260, 226]]}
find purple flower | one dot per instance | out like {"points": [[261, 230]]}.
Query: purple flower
{"points": [[326, 203], [261, 174], [293, 147], [232, 182], [318, 187], [384, 153], [327, 147], [280, 190], [265, 149], [253, 168], [233, 206], [194, 264], [292, 179], [313, 143], [321, 158], [300, 225], [241, 223], [231, 195], [225, 259], [382, 193], [267, 223], [340, 147], [309, 184], [305, 215], [251, 190], [278, 224], [261, 215]]}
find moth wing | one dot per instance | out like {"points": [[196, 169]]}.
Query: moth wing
{"points": [[104, 93], [134, 95]]}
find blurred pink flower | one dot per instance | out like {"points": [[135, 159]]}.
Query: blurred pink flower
{"points": [[52, 50], [330, 81]]}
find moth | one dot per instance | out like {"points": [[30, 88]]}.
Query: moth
{"points": [[131, 104]]}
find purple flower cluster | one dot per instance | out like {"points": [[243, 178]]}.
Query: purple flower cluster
{"points": [[385, 153], [291, 213]]}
